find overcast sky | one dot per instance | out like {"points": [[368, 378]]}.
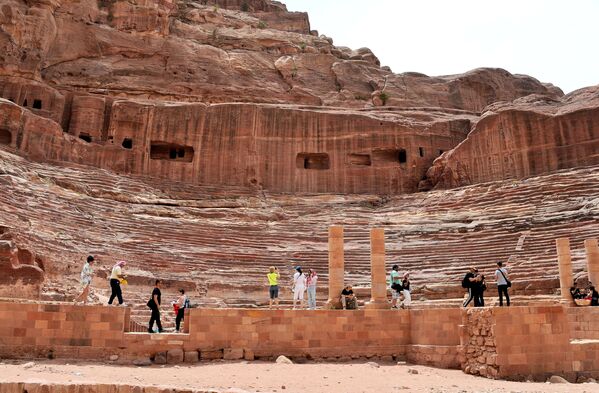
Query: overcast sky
{"points": [[553, 41]]}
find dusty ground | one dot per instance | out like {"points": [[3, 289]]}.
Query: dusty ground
{"points": [[241, 377]]}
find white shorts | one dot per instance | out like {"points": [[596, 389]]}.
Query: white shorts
{"points": [[298, 293], [395, 294]]}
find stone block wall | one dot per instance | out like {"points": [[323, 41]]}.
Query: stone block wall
{"points": [[584, 323], [96, 332], [527, 343]]}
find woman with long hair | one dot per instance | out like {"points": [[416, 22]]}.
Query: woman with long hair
{"points": [[311, 282]]}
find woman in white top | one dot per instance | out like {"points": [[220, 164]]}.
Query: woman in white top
{"points": [[311, 282], [299, 287], [86, 280]]}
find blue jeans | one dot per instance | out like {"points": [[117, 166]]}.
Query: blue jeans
{"points": [[312, 297]]}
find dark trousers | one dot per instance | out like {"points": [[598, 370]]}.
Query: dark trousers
{"points": [[155, 317], [115, 285], [479, 300], [470, 297], [502, 289], [180, 316]]}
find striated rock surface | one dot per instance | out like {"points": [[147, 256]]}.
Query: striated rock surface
{"points": [[198, 139], [527, 137], [201, 237]]}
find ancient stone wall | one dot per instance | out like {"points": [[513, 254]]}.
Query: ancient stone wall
{"points": [[279, 149], [96, 332], [526, 343]]}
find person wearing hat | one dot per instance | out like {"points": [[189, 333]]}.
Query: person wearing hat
{"points": [[299, 286], [86, 280]]}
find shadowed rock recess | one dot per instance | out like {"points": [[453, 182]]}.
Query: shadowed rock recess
{"points": [[203, 141]]}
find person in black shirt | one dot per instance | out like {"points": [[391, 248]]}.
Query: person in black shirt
{"points": [[348, 299], [154, 304], [594, 296], [471, 281]]}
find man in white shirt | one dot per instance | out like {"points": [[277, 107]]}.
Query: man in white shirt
{"points": [[502, 283]]}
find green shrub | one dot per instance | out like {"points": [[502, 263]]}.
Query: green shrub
{"points": [[262, 25], [384, 97], [245, 7]]}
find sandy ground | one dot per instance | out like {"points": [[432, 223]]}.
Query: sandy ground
{"points": [[252, 377]]}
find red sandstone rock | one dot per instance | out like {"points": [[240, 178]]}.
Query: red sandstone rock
{"points": [[531, 136]]}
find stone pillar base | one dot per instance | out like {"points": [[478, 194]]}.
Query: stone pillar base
{"points": [[331, 305], [377, 305]]}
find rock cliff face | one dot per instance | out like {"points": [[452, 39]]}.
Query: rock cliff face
{"points": [[211, 124], [530, 136]]}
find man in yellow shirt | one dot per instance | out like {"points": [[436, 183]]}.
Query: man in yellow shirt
{"points": [[273, 280]]}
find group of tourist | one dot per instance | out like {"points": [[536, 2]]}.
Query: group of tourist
{"points": [[118, 278], [302, 283], [589, 293], [475, 283]]}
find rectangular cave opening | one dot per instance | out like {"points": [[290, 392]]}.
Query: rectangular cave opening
{"points": [[37, 104], [5, 137], [421, 151], [171, 152], [359, 159], [319, 161], [390, 156], [127, 143], [85, 137], [441, 152], [25, 102]]}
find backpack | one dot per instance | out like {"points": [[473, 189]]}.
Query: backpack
{"points": [[466, 282], [187, 303]]}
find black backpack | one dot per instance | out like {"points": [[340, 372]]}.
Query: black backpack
{"points": [[466, 282]]}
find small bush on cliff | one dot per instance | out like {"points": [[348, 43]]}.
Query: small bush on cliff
{"points": [[384, 97], [245, 7], [262, 25]]}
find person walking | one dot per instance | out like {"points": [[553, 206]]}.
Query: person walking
{"points": [[299, 287], [311, 282], [273, 277], [503, 283], [116, 275], [154, 304], [469, 282], [407, 297], [183, 303], [86, 280], [395, 280]]}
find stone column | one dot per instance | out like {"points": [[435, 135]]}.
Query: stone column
{"points": [[592, 261], [378, 299], [564, 259], [336, 266]]}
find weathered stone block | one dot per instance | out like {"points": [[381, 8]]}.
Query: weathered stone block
{"points": [[191, 357], [211, 354], [175, 356], [233, 353]]}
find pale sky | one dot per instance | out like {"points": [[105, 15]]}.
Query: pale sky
{"points": [[553, 41]]}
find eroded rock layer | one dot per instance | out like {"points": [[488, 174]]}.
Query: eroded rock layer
{"points": [[531, 136], [203, 238], [201, 139]]}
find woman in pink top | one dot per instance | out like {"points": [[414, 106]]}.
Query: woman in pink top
{"points": [[311, 282]]}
